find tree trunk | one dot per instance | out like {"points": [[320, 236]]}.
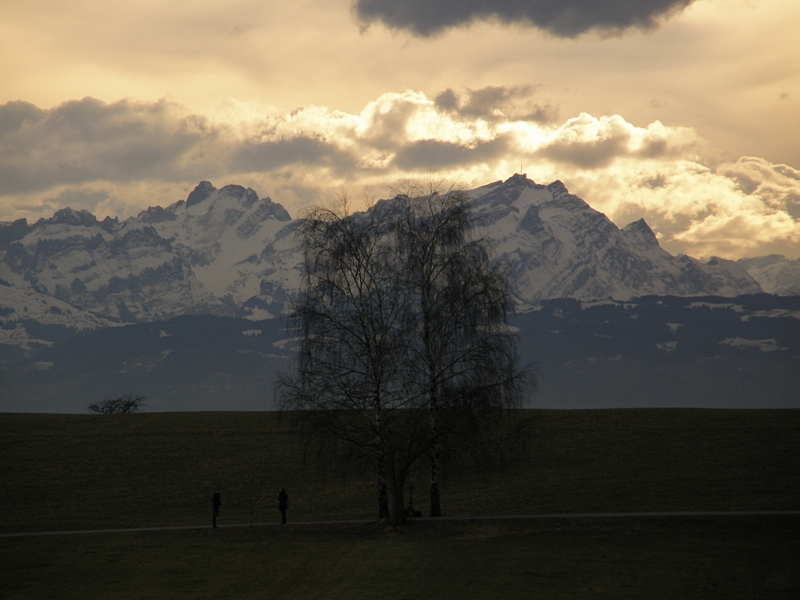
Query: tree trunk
{"points": [[436, 509], [399, 514], [383, 495]]}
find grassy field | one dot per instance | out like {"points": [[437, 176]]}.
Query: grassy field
{"points": [[64, 472], [700, 558]]}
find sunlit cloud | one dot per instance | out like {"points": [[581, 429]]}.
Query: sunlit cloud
{"points": [[117, 159]]}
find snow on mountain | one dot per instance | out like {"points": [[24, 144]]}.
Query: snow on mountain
{"points": [[207, 254], [118, 271], [554, 245], [237, 246], [775, 273], [30, 321], [228, 252]]}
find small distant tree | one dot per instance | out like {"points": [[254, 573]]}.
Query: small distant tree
{"points": [[127, 403]]}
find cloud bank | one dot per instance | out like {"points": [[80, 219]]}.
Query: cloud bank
{"points": [[562, 18], [116, 159], [88, 140]]}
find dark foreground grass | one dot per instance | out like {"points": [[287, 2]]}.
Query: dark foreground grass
{"points": [[747, 557], [66, 472]]}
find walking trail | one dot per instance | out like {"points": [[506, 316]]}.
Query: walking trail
{"points": [[628, 515]]}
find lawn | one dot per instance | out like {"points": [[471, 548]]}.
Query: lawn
{"points": [[65, 472], [747, 557]]}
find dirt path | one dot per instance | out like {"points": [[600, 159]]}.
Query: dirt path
{"points": [[743, 513]]}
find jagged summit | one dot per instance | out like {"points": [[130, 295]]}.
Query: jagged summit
{"points": [[555, 245], [68, 216], [203, 190], [228, 252], [640, 231]]}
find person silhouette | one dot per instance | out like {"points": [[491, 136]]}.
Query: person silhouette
{"points": [[283, 504], [215, 504]]}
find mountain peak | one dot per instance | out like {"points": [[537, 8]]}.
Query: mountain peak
{"points": [[520, 179], [641, 230], [156, 214], [557, 188], [70, 216], [203, 190], [234, 247]]}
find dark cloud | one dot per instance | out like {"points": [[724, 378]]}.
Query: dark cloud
{"points": [[793, 205], [654, 148], [88, 140], [495, 103], [433, 154], [447, 101], [744, 182], [586, 154], [485, 101], [541, 114], [563, 18], [14, 115], [267, 156], [658, 181]]}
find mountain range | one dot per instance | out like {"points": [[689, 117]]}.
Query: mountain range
{"points": [[228, 252], [180, 303]]}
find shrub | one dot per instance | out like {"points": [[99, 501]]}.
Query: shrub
{"points": [[127, 403]]}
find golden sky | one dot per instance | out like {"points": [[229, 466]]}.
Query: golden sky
{"points": [[686, 113]]}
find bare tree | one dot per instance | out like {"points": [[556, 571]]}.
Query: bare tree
{"points": [[404, 347], [348, 385], [127, 403], [461, 352]]}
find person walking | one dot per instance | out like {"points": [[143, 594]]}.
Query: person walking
{"points": [[216, 502], [283, 504]]}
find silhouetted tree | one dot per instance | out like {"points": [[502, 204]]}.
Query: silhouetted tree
{"points": [[127, 403], [461, 354], [404, 347], [349, 384]]}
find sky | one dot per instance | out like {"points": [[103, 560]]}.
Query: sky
{"points": [[683, 112]]}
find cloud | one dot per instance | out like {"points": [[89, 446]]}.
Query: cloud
{"points": [[117, 159], [14, 115], [587, 154], [436, 155], [79, 199], [271, 155], [699, 210], [590, 143], [562, 18], [495, 103], [88, 140]]}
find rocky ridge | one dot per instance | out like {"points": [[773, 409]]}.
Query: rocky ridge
{"points": [[228, 252]]}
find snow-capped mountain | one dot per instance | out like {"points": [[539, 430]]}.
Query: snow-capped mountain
{"points": [[207, 254], [228, 252], [554, 245], [32, 321], [775, 273]]}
